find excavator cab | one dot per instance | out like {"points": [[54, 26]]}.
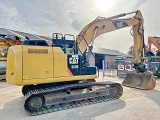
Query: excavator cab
{"points": [[76, 63], [65, 42]]}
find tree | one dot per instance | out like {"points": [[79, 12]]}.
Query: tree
{"points": [[130, 52]]}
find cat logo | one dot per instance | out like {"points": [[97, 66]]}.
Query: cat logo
{"points": [[119, 24], [74, 59]]}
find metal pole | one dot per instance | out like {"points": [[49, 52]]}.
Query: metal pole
{"points": [[91, 46], [120, 15], [103, 69]]}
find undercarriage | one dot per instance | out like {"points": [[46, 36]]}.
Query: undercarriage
{"points": [[41, 99]]}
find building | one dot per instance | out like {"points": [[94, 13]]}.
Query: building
{"points": [[109, 55], [23, 35]]}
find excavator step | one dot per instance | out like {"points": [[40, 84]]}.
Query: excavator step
{"points": [[45, 100]]}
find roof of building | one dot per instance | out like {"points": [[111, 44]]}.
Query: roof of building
{"points": [[109, 52], [22, 34]]}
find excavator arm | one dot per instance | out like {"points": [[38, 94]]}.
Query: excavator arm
{"points": [[103, 25], [153, 41], [139, 78]]}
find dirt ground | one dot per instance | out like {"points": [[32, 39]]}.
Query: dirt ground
{"points": [[134, 104]]}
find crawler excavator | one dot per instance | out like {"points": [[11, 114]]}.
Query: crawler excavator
{"points": [[59, 77], [153, 59], [6, 41]]}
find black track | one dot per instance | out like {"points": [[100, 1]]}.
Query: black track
{"points": [[53, 98]]}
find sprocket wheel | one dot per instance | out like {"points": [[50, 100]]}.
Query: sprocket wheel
{"points": [[34, 103]]}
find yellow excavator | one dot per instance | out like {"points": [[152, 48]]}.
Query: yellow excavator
{"points": [[6, 41], [59, 77]]}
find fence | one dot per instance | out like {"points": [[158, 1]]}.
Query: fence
{"points": [[116, 68], [120, 68]]}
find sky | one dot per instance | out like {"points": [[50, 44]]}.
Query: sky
{"points": [[45, 17]]}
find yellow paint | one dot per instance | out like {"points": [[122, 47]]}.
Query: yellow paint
{"points": [[58, 79], [14, 65], [25, 77], [36, 65], [60, 63], [25, 68]]}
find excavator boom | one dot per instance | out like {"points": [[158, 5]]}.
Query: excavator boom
{"points": [[103, 25]]}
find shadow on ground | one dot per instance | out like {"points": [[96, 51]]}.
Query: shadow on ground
{"points": [[14, 110], [90, 111], [154, 95]]}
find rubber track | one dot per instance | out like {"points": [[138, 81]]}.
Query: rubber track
{"points": [[74, 104]]}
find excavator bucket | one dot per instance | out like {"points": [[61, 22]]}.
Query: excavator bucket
{"points": [[144, 81]]}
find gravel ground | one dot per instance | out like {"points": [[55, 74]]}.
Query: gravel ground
{"points": [[134, 104]]}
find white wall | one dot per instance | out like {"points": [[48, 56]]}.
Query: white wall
{"points": [[92, 60]]}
